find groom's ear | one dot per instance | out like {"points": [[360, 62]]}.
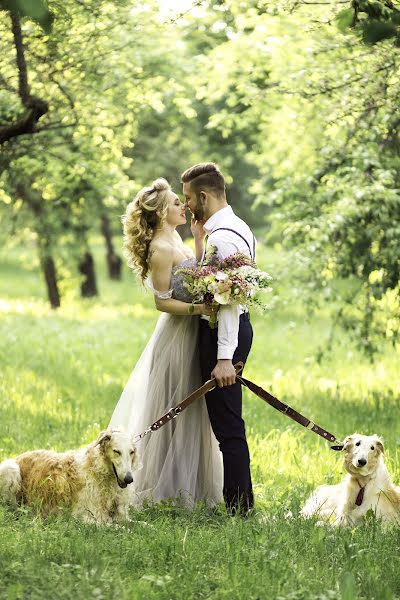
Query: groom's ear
{"points": [[203, 197]]}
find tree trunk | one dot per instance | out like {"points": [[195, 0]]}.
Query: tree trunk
{"points": [[50, 275], [35, 202], [35, 107], [86, 268], [114, 263], [48, 266]]}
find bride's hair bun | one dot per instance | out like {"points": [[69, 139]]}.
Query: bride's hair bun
{"points": [[142, 217], [160, 184]]}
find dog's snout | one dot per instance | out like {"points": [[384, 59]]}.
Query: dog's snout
{"points": [[362, 462], [128, 478]]}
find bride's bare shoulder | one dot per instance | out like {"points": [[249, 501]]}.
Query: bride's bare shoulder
{"points": [[161, 250], [161, 245]]}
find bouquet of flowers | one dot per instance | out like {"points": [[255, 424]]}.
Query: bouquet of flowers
{"points": [[232, 280]]}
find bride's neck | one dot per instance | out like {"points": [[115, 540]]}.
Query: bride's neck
{"points": [[167, 232]]}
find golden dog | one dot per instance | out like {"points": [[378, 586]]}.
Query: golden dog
{"points": [[90, 482]]}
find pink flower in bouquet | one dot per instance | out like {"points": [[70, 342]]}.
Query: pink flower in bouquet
{"points": [[233, 280]]}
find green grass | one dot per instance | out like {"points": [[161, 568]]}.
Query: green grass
{"points": [[61, 375]]}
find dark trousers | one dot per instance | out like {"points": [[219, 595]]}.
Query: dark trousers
{"points": [[225, 411]]}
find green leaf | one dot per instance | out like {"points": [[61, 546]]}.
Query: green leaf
{"points": [[34, 9], [348, 587], [396, 17], [376, 31], [344, 19]]}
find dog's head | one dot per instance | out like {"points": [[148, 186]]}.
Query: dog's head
{"points": [[119, 451], [361, 453]]}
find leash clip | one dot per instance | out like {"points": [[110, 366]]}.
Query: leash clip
{"points": [[173, 412], [338, 446], [142, 435]]}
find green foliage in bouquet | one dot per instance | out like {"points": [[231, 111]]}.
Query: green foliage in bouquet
{"points": [[233, 280]]}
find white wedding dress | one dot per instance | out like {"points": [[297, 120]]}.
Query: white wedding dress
{"points": [[181, 460]]}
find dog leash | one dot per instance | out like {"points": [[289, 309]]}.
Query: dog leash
{"points": [[258, 391], [176, 410], [291, 412]]}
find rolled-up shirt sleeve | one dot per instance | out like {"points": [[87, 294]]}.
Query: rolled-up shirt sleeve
{"points": [[228, 331], [228, 315]]}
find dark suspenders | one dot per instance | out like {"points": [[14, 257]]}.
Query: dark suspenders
{"points": [[252, 255]]}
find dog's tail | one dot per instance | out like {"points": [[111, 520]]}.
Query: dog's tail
{"points": [[10, 481]]}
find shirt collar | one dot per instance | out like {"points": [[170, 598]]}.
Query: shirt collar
{"points": [[217, 219]]}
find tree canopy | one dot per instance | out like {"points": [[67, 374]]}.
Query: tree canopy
{"points": [[296, 100]]}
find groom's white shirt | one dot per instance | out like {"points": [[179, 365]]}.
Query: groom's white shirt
{"points": [[228, 243]]}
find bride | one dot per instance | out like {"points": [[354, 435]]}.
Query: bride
{"points": [[181, 460]]}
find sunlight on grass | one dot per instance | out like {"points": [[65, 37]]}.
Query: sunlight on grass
{"points": [[62, 373]]}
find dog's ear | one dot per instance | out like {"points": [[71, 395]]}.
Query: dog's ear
{"points": [[380, 445], [137, 462], [347, 442], [104, 437]]}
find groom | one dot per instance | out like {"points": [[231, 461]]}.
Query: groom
{"points": [[220, 349]]}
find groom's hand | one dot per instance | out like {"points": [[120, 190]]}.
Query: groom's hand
{"points": [[224, 373], [196, 228]]}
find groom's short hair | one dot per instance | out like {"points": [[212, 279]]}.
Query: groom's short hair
{"points": [[204, 176]]}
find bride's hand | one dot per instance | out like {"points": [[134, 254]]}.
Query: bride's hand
{"points": [[196, 227], [209, 309]]}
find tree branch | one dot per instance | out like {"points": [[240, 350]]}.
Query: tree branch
{"points": [[325, 3], [35, 107], [53, 126], [333, 88], [6, 85], [23, 85]]}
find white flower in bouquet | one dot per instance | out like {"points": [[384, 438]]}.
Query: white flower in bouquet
{"points": [[222, 297], [233, 280]]}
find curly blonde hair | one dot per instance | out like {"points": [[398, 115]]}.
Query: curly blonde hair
{"points": [[142, 217]]}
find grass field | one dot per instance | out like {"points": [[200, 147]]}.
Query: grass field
{"points": [[61, 374]]}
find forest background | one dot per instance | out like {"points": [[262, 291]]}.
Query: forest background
{"points": [[297, 101]]}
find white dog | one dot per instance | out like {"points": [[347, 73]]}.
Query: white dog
{"points": [[91, 482], [366, 486]]}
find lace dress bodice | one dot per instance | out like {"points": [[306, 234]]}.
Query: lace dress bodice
{"points": [[178, 290]]}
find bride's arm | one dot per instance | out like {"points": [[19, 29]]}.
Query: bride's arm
{"points": [[161, 264]]}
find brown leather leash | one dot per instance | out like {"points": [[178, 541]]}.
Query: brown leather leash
{"points": [[258, 391], [291, 413], [176, 410]]}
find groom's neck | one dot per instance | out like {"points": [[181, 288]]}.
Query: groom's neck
{"points": [[216, 204]]}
